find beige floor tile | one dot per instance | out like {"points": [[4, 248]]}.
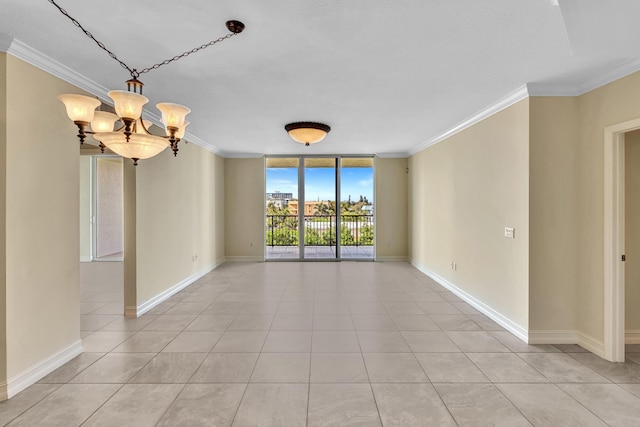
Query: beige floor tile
{"points": [[438, 308], [429, 342], [139, 405], [170, 322], [335, 342], [515, 344], [69, 405], [631, 388], [464, 307], [547, 405], [225, 368], [480, 405], [407, 405], [338, 368], [382, 342], [374, 323], [93, 322], [146, 342], [506, 368], [281, 368], [454, 322], [615, 406], [260, 308], [296, 307], [627, 372], [204, 405], [288, 342], [342, 405], [331, 307], [277, 405], [240, 341], [224, 307], [561, 368], [104, 341], [416, 322], [12, 408], [211, 322], [113, 368], [394, 368], [249, 322], [367, 308], [476, 342], [187, 308], [193, 342], [332, 322], [72, 368], [292, 322], [169, 368], [403, 308], [124, 324], [450, 368]]}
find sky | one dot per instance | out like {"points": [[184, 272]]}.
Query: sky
{"points": [[320, 183]]}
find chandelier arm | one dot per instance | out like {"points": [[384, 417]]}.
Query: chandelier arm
{"points": [[88, 34]]}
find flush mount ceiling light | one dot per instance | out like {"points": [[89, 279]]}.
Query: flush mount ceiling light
{"points": [[132, 139], [307, 133]]}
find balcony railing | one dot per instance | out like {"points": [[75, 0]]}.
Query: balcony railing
{"points": [[320, 230]]}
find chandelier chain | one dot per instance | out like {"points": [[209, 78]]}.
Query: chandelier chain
{"points": [[135, 73]]}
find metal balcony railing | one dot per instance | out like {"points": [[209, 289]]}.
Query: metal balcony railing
{"points": [[320, 230]]}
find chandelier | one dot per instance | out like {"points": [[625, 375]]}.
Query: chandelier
{"points": [[132, 138], [307, 133]]}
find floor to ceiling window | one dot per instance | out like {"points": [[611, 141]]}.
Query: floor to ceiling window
{"points": [[319, 208]]}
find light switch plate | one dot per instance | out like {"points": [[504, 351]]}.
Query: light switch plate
{"points": [[510, 232]]}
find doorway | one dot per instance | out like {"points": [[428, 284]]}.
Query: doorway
{"points": [[615, 257], [319, 208]]}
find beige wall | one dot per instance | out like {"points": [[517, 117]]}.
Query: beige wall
{"points": [[129, 227], [3, 226], [109, 209], [85, 208], [553, 229], [391, 208], [179, 216], [244, 208], [632, 231], [42, 217], [463, 192], [611, 104]]}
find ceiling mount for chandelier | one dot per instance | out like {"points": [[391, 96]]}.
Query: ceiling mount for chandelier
{"points": [[132, 139]]}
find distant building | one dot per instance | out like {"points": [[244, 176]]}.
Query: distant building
{"points": [[279, 200], [310, 208]]}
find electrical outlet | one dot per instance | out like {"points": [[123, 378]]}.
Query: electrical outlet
{"points": [[510, 232]]}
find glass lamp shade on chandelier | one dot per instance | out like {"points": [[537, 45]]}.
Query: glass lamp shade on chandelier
{"points": [[132, 139]]}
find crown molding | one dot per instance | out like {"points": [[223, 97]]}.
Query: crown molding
{"points": [[228, 155], [505, 102], [628, 67], [392, 155], [33, 57]]}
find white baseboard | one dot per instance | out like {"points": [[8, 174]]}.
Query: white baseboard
{"points": [[35, 373], [553, 337], [86, 258], [568, 337], [163, 296], [485, 309], [392, 259], [632, 336], [246, 259]]}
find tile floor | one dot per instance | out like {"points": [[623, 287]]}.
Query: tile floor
{"points": [[319, 344]]}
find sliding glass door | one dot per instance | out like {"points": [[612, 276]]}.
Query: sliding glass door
{"points": [[319, 208]]}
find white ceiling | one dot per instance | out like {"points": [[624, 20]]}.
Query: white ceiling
{"points": [[387, 76]]}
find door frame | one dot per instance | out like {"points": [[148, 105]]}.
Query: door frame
{"points": [[614, 239]]}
